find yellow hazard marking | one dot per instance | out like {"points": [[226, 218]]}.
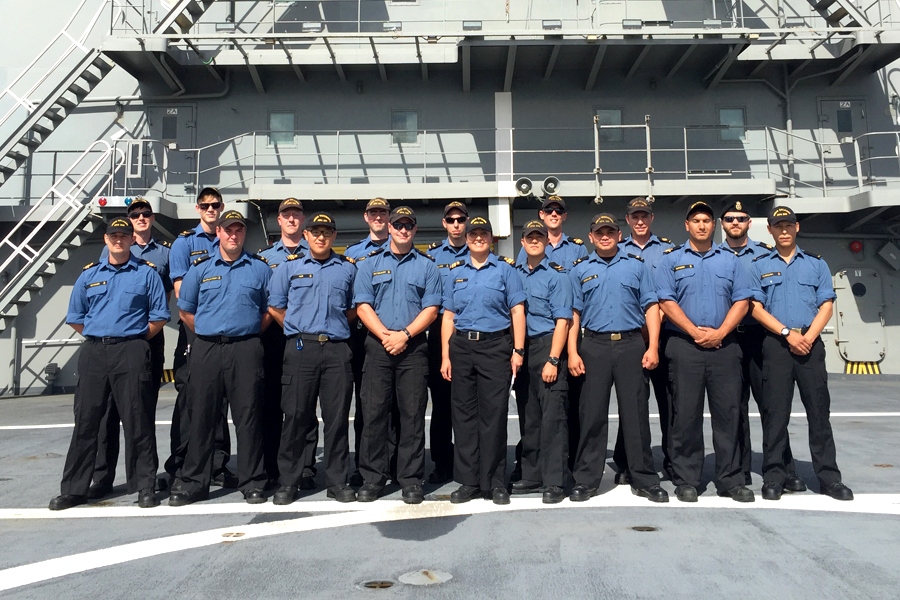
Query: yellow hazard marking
{"points": [[862, 368]]}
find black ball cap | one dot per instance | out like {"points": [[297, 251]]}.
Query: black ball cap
{"points": [[321, 219], [639, 205], [553, 200], [736, 206], [699, 207], [403, 212], [456, 205], [209, 191], [139, 203], [478, 223], [604, 220], [119, 225], [232, 216], [782, 213], [535, 226], [290, 203]]}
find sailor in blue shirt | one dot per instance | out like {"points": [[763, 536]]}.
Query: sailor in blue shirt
{"points": [[188, 247], [704, 292], [483, 297], [736, 224], [117, 305], [614, 297], [223, 300], [376, 216], [642, 242], [796, 303], [562, 249], [155, 252], [542, 386], [311, 296], [397, 293], [290, 222], [446, 252]]}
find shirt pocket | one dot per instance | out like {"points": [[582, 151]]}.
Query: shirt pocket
{"points": [[253, 295], [495, 295], [539, 304], [301, 291], [808, 290], [683, 274], [724, 280], [415, 289], [460, 295], [338, 295], [134, 299]]}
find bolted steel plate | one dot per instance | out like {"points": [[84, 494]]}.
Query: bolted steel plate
{"points": [[425, 577]]}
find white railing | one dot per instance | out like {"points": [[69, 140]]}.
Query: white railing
{"points": [[69, 200]]}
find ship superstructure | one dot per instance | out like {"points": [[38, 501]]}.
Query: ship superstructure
{"points": [[492, 102]]}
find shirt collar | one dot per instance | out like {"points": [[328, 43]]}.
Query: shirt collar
{"points": [[308, 258], [651, 240], [244, 257], [131, 264], [400, 258], [200, 231], [714, 249], [544, 264], [596, 258], [491, 260]]}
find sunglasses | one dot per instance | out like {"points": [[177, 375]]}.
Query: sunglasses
{"points": [[552, 209], [140, 213], [456, 219], [741, 219], [211, 205], [401, 226]]}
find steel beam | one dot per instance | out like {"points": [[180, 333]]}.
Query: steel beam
{"points": [[510, 67], [257, 80], [381, 68], [421, 62], [554, 54], [867, 218], [680, 61], [338, 68], [637, 62], [725, 65], [853, 65], [290, 59], [595, 68]]}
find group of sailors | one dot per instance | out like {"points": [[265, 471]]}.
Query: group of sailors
{"points": [[297, 325]]}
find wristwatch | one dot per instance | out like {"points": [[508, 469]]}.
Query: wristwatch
{"points": [[553, 361], [519, 351], [406, 331], [785, 332]]}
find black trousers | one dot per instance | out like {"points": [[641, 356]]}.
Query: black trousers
{"points": [[441, 430], [315, 371], [272, 417], [750, 338], [694, 370], [659, 377], [394, 383], [608, 363], [108, 439], [233, 370], [119, 373], [180, 431], [574, 425], [543, 416], [781, 368], [479, 392]]}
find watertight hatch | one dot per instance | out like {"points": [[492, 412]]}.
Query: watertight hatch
{"points": [[859, 315]]}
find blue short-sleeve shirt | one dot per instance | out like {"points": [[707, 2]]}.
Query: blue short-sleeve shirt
{"points": [[117, 301], [156, 253], [188, 247], [704, 285], [397, 288], [277, 252], [652, 252], [481, 299], [226, 298], [746, 254], [364, 247], [548, 294], [793, 292], [316, 295], [612, 296]]}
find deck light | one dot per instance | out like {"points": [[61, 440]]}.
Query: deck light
{"points": [[471, 25], [632, 23], [551, 24]]}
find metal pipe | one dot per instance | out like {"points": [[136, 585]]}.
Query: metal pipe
{"points": [[847, 236], [859, 180], [789, 129]]}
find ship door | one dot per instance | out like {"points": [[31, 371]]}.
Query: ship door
{"points": [[859, 315], [841, 122], [173, 130]]}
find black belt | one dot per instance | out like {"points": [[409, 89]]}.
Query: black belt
{"points": [[315, 337], [114, 340], [748, 328], [613, 336], [539, 338], [224, 339], [481, 336]]}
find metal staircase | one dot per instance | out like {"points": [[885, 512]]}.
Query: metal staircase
{"points": [[183, 16], [840, 13], [57, 224], [75, 72]]}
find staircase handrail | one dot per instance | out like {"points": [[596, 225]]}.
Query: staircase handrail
{"points": [[68, 200], [22, 99]]}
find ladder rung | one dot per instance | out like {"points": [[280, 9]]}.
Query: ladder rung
{"points": [[31, 142], [78, 90], [824, 4], [90, 76], [65, 102], [837, 15], [17, 155], [41, 129]]}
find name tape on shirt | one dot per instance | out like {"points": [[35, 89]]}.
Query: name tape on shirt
{"points": [[586, 279], [211, 279], [90, 285], [196, 252], [770, 275], [680, 267], [459, 280], [376, 273], [302, 276]]}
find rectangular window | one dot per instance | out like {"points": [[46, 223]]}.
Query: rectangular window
{"points": [[845, 120], [404, 127], [610, 116], [733, 119], [281, 129], [170, 129]]}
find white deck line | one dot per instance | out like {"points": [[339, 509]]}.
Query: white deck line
{"points": [[797, 415], [377, 512]]}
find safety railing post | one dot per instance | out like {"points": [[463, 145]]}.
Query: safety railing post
{"points": [[337, 155], [424, 156], [685, 153], [649, 158], [859, 180]]}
